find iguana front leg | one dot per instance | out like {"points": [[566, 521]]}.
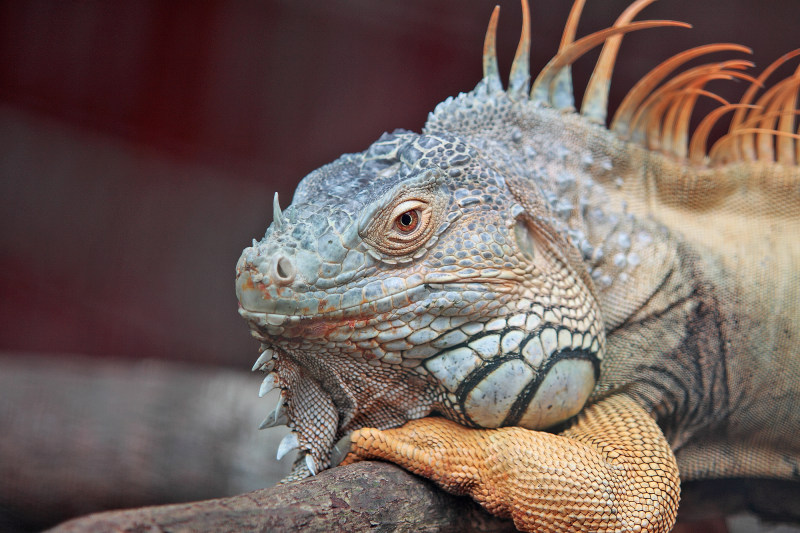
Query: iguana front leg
{"points": [[612, 470]]}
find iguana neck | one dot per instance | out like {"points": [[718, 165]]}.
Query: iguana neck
{"points": [[582, 171], [672, 249]]}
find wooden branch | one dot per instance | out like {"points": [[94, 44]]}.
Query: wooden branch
{"points": [[364, 496], [83, 435]]}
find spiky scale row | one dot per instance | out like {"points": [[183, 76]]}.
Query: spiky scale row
{"points": [[565, 100], [545, 88], [553, 85], [623, 118], [658, 117], [277, 417], [519, 79], [277, 215], [655, 123], [595, 100], [287, 444]]}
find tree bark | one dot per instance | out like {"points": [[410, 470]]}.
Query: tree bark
{"points": [[368, 496]]}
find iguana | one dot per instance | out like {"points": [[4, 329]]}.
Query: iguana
{"points": [[556, 317]]}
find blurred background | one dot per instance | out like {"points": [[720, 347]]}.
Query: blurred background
{"points": [[141, 144]]}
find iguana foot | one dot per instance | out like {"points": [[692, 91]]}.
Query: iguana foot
{"points": [[612, 470]]}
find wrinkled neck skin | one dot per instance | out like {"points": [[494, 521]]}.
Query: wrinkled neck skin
{"points": [[665, 295], [583, 171]]}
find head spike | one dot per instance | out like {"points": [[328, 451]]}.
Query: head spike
{"points": [[491, 73], [766, 125], [520, 78], [646, 121], [623, 118], [678, 133], [544, 84], [595, 99], [675, 124], [776, 112], [277, 216], [715, 154], [748, 96], [653, 119], [697, 146], [786, 144], [563, 81], [797, 146], [675, 130], [796, 140], [752, 138], [722, 150], [571, 27], [742, 146]]}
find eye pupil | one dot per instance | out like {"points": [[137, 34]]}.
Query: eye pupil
{"points": [[408, 221]]}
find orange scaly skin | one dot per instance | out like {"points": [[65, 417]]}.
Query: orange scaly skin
{"points": [[612, 470]]}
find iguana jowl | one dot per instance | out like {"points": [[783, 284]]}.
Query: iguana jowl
{"points": [[517, 264]]}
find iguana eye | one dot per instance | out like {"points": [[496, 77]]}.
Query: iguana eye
{"points": [[402, 224], [401, 228], [408, 221]]}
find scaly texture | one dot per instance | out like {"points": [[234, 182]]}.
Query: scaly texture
{"points": [[612, 470], [517, 263]]}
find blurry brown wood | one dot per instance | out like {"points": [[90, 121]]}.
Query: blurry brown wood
{"points": [[365, 496]]}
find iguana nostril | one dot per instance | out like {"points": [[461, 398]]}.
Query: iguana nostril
{"points": [[283, 271]]}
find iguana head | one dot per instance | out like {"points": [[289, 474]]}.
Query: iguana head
{"points": [[411, 279], [435, 273]]}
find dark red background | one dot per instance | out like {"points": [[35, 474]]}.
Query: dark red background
{"points": [[141, 142]]}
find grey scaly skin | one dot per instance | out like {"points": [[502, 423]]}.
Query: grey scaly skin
{"points": [[456, 325], [516, 261]]}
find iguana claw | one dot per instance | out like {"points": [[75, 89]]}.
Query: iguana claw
{"points": [[611, 470]]}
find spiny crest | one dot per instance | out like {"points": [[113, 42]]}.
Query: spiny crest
{"points": [[656, 113]]}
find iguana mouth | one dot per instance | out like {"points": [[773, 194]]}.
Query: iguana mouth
{"points": [[264, 305]]}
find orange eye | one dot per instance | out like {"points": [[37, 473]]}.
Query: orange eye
{"points": [[408, 221]]}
